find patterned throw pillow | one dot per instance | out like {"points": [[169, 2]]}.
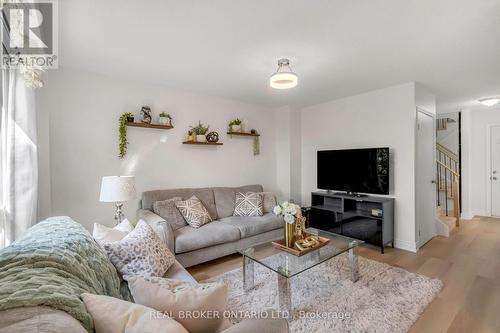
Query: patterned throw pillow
{"points": [[194, 212], [248, 204], [140, 253], [169, 212]]}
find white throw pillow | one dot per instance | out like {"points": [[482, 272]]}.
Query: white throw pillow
{"points": [[103, 234], [112, 315], [177, 296], [141, 252], [194, 212]]}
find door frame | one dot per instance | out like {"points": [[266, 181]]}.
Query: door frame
{"points": [[417, 223], [488, 168]]}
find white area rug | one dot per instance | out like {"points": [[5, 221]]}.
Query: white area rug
{"points": [[384, 299]]}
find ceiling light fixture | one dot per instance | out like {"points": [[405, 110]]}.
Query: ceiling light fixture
{"points": [[490, 101], [284, 78]]}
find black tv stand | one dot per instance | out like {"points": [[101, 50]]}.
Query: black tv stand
{"points": [[352, 216]]}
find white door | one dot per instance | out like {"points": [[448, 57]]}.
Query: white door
{"points": [[425, 178], [495, 170]]}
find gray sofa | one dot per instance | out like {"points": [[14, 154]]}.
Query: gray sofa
{"points": [[43, 274], [225, 235]]}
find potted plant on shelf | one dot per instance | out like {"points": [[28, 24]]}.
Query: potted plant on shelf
{"points": [[200, 131], [165, 119], [190, 136], [235, 125], [122, 130]]}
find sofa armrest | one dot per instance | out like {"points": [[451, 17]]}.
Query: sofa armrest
{"points": [[162, 228], [259, 325]]}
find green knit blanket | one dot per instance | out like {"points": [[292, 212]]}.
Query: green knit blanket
{"points": [[53, 264]]}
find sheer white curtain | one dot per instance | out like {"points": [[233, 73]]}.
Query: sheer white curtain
{"points": [[18, 158]]}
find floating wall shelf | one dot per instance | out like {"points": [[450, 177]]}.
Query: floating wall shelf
{"points": [[145, 125], [202, 143], [243, 133]]}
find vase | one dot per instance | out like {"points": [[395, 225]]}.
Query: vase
{"points": [[235, 128], [289, 234], [163, 121], [200, 138]]}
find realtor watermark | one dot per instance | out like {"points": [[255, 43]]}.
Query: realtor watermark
{"points": [[30, 34], [231, 314]]}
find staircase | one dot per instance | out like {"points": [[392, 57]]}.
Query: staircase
{"points": [[448, 186]]}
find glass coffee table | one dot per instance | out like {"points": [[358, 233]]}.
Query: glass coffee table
{"points": [[287, 265]]}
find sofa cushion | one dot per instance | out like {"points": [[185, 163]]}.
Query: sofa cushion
{"points": [[206, 196], [254, 225], [248, 204], [189, 239], [225, 198], [194, 212], [168, 210], [141, 252]]}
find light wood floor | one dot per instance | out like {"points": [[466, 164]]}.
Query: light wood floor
{"points": [[468, 262]]}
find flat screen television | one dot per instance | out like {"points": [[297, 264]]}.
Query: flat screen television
{"points": [[354, 170]]}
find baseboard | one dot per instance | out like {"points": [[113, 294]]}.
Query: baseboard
{"points": [[405, 245], [467, 216]]}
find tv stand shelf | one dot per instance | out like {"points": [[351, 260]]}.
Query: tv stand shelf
{"points": [[352, 216]]}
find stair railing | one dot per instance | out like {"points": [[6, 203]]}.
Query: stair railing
{"points": [[448, 182]]}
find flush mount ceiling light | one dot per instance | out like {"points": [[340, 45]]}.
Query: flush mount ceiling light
{"points": [[490, 101], [284, 78]]}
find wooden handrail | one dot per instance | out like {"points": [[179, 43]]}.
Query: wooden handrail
{"points": [[447, 152], [449, 169], [455, 189]]}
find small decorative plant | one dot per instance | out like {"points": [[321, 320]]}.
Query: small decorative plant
{"points": [[122, 130], [200, 131], [165, 119], [235, 125]]}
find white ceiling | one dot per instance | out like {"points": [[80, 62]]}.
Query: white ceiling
{"points": [[338, 48]]}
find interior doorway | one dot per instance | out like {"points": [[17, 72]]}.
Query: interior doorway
{"points": [[425, 177], [494, 170]]}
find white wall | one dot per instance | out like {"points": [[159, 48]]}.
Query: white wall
{"points": [[475, 180], [381, 118], [288, 154], [84, 109], [449, 136]]}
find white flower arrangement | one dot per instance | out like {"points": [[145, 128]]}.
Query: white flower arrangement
{"points": [[288, 210]]}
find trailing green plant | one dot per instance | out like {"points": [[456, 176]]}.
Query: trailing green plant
{"points": [[236, 121], [200, 129], [122, 130], [166, 115]]}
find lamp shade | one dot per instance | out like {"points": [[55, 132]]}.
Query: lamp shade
{"points": [[117, 189]]}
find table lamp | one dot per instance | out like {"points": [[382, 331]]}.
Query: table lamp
{"points": [[117, 189]]}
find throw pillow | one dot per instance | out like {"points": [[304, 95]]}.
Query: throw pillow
{"points": [[194, 212], [141, 252], [248, 204], [177, 296], [167, 210], [112, 315], [268, 201], [103, 234]]}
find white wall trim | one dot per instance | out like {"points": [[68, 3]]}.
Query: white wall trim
{"points": [[467, 216], [405, 245]]}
